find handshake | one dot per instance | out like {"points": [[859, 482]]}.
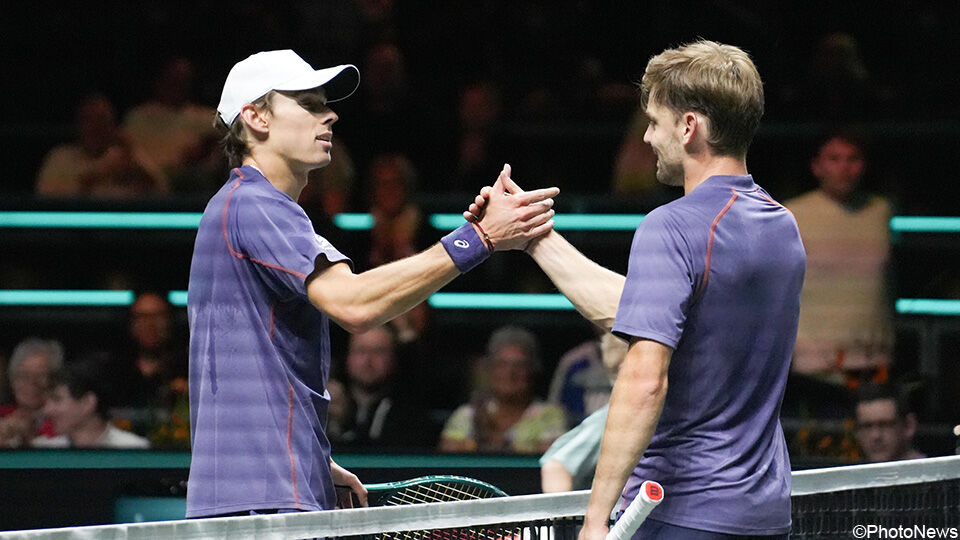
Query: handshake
{"points": [[507, 217]]}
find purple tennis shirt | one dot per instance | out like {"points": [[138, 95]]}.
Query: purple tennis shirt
{"points": [[259, 355], [716, 275]]}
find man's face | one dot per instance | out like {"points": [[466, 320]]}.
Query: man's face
{"points": [[150, 321], [370, 358], [301, 129], [662, 134], [389, 188], [30, 382], [882, 435], [66, 412], [838, 168]]}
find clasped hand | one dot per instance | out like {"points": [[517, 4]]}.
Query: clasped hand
{"points": [[510, 216]]}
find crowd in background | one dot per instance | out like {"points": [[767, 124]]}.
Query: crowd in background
{"points": [[447, 95]]}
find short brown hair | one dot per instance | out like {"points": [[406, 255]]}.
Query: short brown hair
{"points": [[234, 140], [718, 81]]}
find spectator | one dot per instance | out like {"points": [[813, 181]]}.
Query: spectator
{"points": [[378, 414], [78, 405], [153, 357], [580, 383], [885, 428], [570, 461], [396, 230], [507, 418], [174, 132], [845, 329], [100, 163], [838, 85], [478, 146], [635, 171], [31, 364], [396, 218]]}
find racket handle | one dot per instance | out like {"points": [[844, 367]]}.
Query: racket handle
{"points": [[651, 493]]}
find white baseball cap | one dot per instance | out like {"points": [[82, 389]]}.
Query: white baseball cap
{"points": [[258, 74]]}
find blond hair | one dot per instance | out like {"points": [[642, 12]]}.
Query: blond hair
{"points": [[716, 80]]}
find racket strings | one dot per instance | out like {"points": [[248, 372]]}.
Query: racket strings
{"points": [[444, 492], [436, 493]]}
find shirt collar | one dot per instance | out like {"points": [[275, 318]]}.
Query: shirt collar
{"points": [[739, 182]]}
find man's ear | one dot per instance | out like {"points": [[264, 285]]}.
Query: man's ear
{"points": [[255, 118], [910, 426], [89, 402], [694, 130]]}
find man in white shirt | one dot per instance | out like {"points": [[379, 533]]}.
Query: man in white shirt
{"points": [[77, 404]]}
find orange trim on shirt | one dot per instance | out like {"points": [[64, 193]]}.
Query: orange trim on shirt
{"points": [[713, 230], [226, 237], [767, 197]]}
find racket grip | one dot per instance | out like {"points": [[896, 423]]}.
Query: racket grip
{"points": [[651, 493]]}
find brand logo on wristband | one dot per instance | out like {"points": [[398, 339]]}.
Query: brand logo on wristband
{"points": [[461, 243]]}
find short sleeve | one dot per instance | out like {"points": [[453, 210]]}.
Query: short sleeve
{"points": [[279, 239], [660, 283], [578, 449]]}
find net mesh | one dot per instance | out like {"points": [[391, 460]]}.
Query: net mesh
{"points": [[834, 515], [827, 503]]}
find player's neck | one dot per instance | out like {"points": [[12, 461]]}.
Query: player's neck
{"points": [[698, 168], [279, 173], [88, 434]]}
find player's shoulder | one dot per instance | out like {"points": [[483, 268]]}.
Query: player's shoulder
{"points": [[683, 215]]}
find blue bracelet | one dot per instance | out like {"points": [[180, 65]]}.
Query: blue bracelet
{"points": [[465, 247]]}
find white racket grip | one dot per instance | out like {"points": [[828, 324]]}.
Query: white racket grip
{"points": [[651, 493]]}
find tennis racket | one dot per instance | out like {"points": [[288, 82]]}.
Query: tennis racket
{"points": [[651, 493], [426, 489]]}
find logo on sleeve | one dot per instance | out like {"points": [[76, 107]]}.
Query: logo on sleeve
{"points": [[461, 243], [322, 243]]}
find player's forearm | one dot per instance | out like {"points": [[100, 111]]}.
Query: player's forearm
{"points": [[593, 290], [358, 302], [635, 406]]}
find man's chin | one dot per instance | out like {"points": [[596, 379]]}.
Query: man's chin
{"points": [[668, 179]]}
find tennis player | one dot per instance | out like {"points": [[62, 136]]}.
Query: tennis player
{"points": [[710, 305], [263, 285]]}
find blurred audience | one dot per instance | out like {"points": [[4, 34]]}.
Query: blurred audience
{"points": [[581, 384], [635, 170], [885, 427], [397, 226], [151, 365], [31, 365], [845, 333], [479, 144], [101, 162], [571, 460], [174, 132], [372, 410], [390, 118], [78, 405], [837, 85], [506, 417]]}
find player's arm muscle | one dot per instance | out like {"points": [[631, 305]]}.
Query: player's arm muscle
{"points": [[635, 406], [593, 290], [358, 302]]}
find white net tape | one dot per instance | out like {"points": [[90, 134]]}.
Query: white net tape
{"points": [[526, 508]]}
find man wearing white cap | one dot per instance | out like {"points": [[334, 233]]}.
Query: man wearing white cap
{"points": [[263, 285]]}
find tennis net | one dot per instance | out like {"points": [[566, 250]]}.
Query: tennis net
{"points": [[827, 503]]}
